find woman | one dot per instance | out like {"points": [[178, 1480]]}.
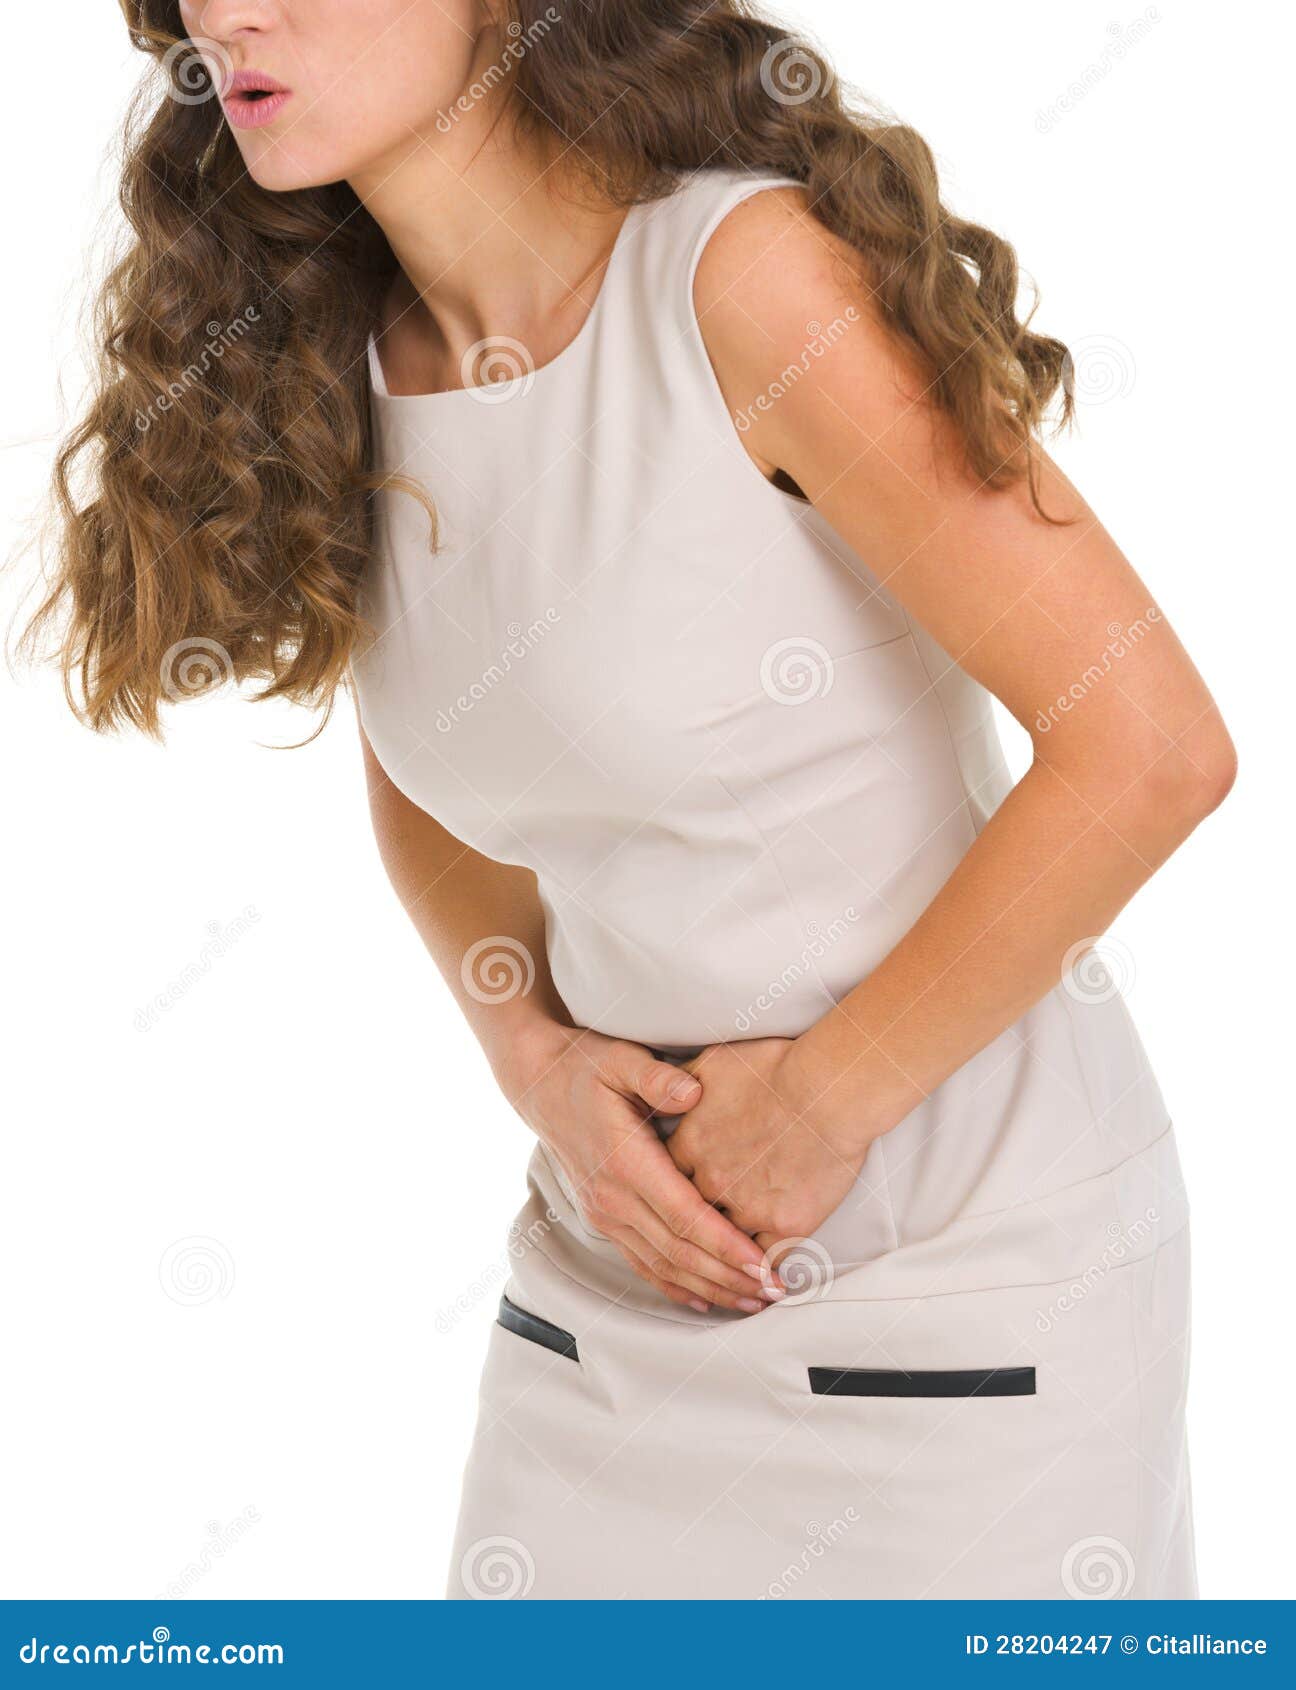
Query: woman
{"points": [[855, 1260]]}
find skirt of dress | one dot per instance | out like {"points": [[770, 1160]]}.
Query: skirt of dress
{"points": [[997, 1411]]}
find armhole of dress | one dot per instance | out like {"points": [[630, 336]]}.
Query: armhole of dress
{"points": [[735, 195], [376, 378]]}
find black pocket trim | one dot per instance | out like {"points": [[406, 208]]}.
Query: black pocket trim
{"points": [[544, 1332], [938, 1382]]}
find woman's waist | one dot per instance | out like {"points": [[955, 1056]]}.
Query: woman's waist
{"points": [[1058, 1100], [1091, 1227], [696, 956]]}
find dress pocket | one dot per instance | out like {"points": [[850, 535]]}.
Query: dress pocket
{"points": [[929, 1382], [536, 1331]]}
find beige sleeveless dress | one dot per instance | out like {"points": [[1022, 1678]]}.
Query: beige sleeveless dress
{"points": [[740, 771]]}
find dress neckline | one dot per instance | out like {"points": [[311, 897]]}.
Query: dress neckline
{"points": [[494, 391]]}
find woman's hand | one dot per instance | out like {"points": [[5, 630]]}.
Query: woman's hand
{"points": [[588, 1099], [761, 1143]]}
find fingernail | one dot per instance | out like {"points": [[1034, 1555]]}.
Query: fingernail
{"points": [[753, 1270], [773, 1292], [749, 1305], [701, 1307], [684, 1088]]}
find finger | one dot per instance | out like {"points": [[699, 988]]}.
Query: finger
{"points": [[736, 1287], [675, 1293], [684, 1212], [636, 1072], [637, 1254], [808, 1272], [769, 1243], [682, 1263], [699, 1291], [689, 1216]]}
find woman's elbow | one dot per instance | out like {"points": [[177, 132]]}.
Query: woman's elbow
{"points": [[1192, 776], [1219, 777]]}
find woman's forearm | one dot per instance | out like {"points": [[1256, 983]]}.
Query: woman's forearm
{"points": [[1054, 865], [586, 1097], [480, 920]]}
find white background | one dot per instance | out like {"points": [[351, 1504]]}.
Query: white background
{"points": [[310, 1103]]}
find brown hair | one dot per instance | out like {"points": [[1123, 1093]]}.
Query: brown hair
{"points": [[226, 537]]}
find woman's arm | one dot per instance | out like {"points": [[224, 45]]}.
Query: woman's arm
{"points": [[1118, 780], [587, 1097]]}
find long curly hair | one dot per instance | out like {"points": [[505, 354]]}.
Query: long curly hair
{"points": [[226, 536]]}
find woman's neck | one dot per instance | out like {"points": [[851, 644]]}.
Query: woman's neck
{"points": [[493, 241]]}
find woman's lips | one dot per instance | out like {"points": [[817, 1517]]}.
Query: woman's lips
{"points": [[251, 99]]}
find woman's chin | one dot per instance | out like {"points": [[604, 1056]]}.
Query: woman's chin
{"points": [[282, 168]]}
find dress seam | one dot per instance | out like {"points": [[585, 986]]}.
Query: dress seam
{"points": [[898, 1297]]}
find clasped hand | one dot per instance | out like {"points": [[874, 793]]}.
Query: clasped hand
{"points": [[754, 1161], [761, 1143]]}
